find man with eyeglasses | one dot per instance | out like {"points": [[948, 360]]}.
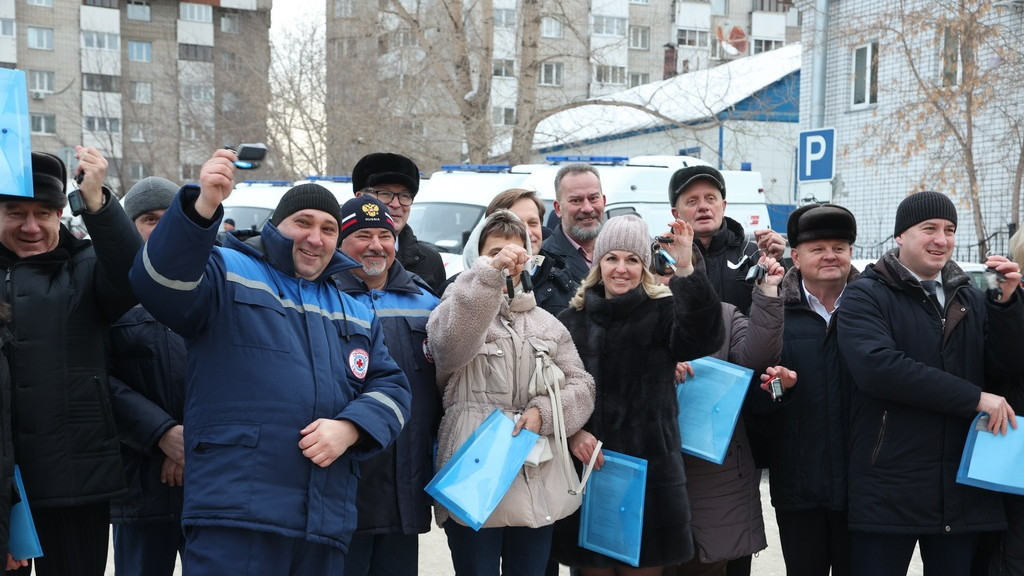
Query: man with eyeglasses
{"points": [[394, 180]]}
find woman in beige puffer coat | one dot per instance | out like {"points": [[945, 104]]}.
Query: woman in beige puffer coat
{"points": [[484, 345]]}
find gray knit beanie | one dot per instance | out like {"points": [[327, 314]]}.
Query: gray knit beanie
{"points": [[922, 206], [148, 194], [626, 232]]}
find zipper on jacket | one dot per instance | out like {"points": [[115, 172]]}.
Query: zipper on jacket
{"points": [[881, 436]]}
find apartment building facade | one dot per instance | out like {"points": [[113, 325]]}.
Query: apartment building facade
{"points": [[583, 48], [155, 85]]}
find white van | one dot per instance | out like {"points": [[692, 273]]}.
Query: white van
{"points": [[451, 202], [252, 202]]}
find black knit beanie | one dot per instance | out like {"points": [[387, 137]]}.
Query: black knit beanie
{"points": [[922, 206], [306, 197]]}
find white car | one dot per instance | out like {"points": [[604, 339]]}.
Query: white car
{"points": [[252, 202]]}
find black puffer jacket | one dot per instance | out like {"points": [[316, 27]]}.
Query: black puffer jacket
{"points": [[808, 432], [6, 441], [62, 304], [729, 244], [148, 393], [919, 375], [421, 259], [630, 344]]}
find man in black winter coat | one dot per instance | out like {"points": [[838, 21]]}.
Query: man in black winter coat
{"points": [[64, 294], [579, 204], [923, 342], [148, 392], [808, 426], [394, 180]]}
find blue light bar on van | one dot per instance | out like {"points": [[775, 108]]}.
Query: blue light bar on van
{"points": [[269, 182], [318, 178], [589, 159], [475, 167]]}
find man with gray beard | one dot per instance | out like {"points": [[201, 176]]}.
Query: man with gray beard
{"points": [[579, 203], [392, 504]]}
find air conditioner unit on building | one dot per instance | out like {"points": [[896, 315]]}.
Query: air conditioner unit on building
{"points": [[38, 94]]}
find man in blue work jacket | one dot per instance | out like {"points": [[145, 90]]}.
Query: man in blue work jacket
{"points": [[289, 381]]}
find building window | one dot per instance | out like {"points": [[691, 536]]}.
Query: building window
{"points": [[101, 83], [138, 10], [865, 75], [610, 74], [43, 123], [230, 61], [137, 171], [195, 12], [142, 92], [100, 40], [7, 27], [504, 68], [609, 25], [197, 92], [638, 78], [47, 3], [40, 38], [229, 103], [343, 47], [191, 172], [551, 74], [949, 57], [101, 124], [404, 39], [190, 132], [640, 37], [772, 5], [503, 116], [101, 3], [230, 22], [639, 1], [195, 52], [504, 18], [344, 8], [140, 51], [551, 27], [40, 81], [691, 37], [761, 45], [137, 132]]}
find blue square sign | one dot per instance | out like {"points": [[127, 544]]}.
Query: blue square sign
{"points": [[817, 155]]}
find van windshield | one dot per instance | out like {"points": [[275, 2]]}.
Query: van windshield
{"points": [[444, 224], [247, 217]]}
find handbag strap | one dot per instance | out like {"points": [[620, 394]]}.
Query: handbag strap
{"points": [[560, 432]]}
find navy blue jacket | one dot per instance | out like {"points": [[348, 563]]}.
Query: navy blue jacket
{"points": [[808, 431], [147, 388], [919, 374], [391, 497], [268, 354]]}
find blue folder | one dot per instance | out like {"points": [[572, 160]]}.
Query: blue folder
{"points": [[709, 405], [993, 461], [15, 137], [475, 479], [24, 541], [612, 515]]}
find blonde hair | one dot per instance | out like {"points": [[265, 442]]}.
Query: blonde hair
{"points": [[649, 283], [1017, 247]]}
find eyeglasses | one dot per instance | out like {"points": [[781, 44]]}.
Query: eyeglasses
{"points": [[386, 196]]}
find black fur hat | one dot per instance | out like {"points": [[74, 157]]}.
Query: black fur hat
{"points": [[385, 168], [49, 182], [821, 222]]}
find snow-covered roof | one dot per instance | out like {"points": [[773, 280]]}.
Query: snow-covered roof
{"points": [[690, 97]]}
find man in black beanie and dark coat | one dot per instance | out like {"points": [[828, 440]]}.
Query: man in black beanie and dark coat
{"points": [[394, 180], [64, 293], [923, 343]]}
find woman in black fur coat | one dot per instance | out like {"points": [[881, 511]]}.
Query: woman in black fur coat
{"points": [[631, 331]]}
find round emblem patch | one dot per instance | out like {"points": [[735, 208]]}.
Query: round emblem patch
{"points": [[359, 362], [426, 350]]}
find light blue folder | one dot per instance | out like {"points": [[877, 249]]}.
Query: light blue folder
{"points": [[612, 515], [991, 461], [15, 138], [709, 405], [24, 541], [475, 479]]}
